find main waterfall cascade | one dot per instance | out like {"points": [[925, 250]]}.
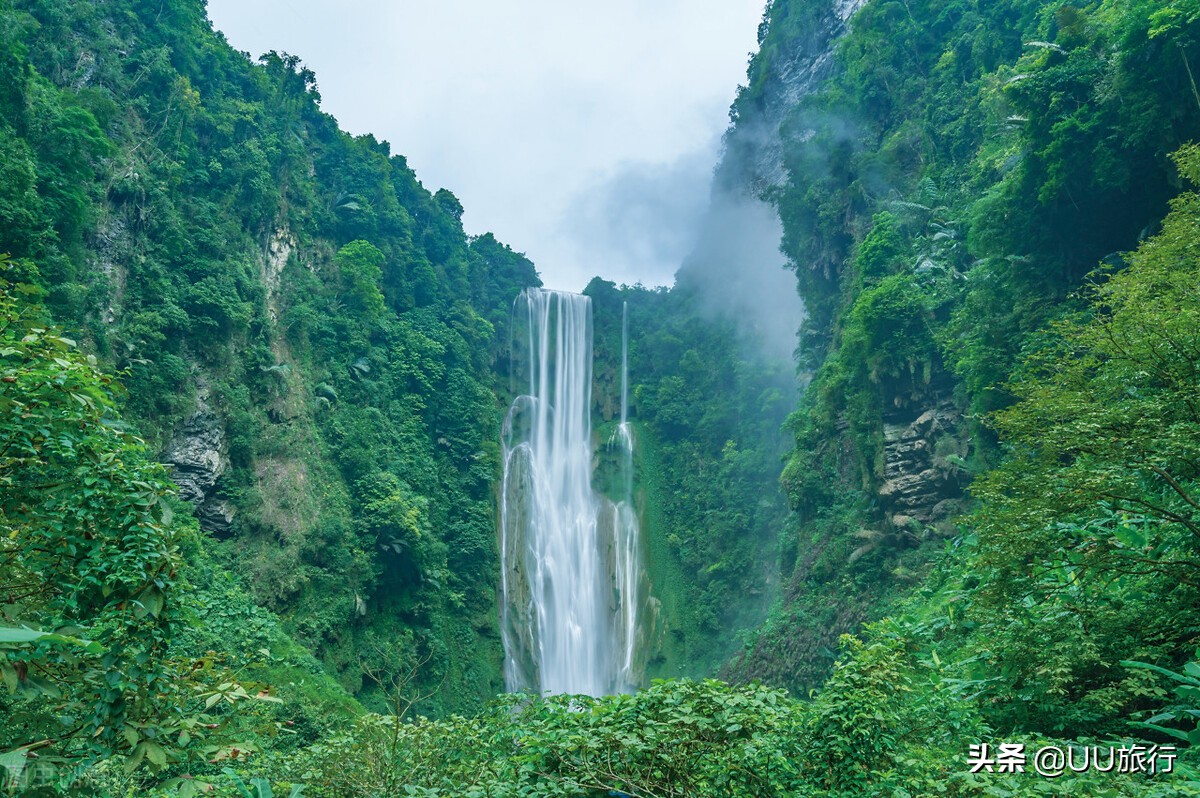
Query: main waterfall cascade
{"points": [[572, 577]]}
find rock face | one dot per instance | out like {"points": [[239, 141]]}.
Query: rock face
{"points": [[921, 478], [197, 457], [111, 248], [754, 145], [279, 249]]}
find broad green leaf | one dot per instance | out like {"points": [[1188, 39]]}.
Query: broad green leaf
{"points": [[14, 762], [1179, 677], [1130, 537], [135, 758], [19, 636], [156, 754]]}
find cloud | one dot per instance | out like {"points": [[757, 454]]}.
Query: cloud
{"points": [[738, 272], [678, 222], [639, 221], [519, 107]]}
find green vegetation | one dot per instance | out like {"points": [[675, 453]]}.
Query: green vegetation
{"points": [[106, 647], [949, 188], [89, 561], [290, 309], [988, 525], [707, 416]]}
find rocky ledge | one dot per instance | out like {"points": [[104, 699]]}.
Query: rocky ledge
{"points": [[923, 475]]}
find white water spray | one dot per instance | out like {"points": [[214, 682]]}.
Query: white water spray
{"points": [[570, 565]]}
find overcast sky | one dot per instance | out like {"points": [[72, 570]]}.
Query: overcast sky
{"points": [[583, 135]]}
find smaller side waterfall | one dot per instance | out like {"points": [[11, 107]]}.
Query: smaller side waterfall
{"points": [[571, 572], [627, 564]]}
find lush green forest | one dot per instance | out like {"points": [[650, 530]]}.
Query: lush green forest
{"points": [[252, 374], [300, 330]]}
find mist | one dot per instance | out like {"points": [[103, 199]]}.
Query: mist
{"points": [[638, 222], [689, 222], [736, 270]]}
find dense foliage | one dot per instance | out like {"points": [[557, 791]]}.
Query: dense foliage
{"points": [[88, 559], [707, 413], [948, 189], [999, 258], [292, 309], [119, 644]]}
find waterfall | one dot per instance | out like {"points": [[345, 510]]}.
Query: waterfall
{"points": [[570, 570], [627, 564]]}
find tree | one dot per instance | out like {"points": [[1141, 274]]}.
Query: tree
{"points": [[1106, 430], [361, 265], [89, 559], [87, 556]]}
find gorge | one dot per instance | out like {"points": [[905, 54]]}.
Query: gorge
{"points": [[306, 489]]}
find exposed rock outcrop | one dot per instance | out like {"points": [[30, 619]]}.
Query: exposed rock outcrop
{"points": [[279, 248], [923, 477], [197, 456], [754, 146], [111, 247]]}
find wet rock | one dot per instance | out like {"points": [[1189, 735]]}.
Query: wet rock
{"points": [[946, 509], [110, 248], [216, 515], [279, 248]]}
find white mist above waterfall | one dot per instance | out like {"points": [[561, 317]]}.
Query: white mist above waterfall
{"points": [[571, 571]]}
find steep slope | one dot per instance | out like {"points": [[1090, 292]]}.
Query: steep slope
{"points": [[307, 335], [952, 173]]}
